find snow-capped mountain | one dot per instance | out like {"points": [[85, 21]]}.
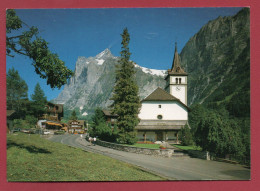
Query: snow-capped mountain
{"points": [[94, 79]]}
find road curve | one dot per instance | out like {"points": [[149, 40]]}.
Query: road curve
{"points": [[175, 168]]}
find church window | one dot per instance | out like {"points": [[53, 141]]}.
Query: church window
{"points": [[179, 80], [176, 79], [159, 116], [160, 106]]}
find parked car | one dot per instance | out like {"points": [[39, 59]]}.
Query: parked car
{"points": [[25, 131], [16, 130], [31, 131], [46, 132]]}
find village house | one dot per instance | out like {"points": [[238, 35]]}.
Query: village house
{"points": [[110, 118], [76, 126], [52, 118], [164, 112]]}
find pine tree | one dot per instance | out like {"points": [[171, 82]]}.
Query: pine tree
{"points": [[125, 95], [39, 101], [73, 115], [17, 96]]}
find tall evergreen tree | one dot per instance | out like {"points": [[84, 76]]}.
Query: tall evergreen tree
{"points": [[73, 115], [98, 117], [125, 94], [17, 96], [39, 101]]}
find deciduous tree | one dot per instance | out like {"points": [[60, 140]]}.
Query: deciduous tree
{"points": [[219, 135], [28, 43]]}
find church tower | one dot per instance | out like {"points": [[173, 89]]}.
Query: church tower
{"points": [[176, 80]]}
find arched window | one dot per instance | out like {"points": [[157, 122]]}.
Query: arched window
{"points": [[179, 80], [159, 106], [176, 80]]}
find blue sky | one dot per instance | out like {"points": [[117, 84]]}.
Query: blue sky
{"points": [[86, 32]]}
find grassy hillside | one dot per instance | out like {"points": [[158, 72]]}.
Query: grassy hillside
{"points": [[32, 158]]}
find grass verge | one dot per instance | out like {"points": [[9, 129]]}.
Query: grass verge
{"points": [[144, 145], [32, 158], [187, 147]]}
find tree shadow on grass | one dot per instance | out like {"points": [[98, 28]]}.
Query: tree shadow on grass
{"points": [[31, 149]]}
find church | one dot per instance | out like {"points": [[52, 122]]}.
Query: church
{"points": [[164, 112]]}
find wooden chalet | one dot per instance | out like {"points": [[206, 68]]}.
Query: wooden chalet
{"points": [[76, 126], [110, 117], [53, 116]]}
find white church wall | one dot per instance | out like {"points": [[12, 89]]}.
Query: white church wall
{"points": [[169, 111], [180, 93]]}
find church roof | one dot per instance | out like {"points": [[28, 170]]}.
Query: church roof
{"points": [[161, 124], [9, 112], [161, 95], [176, 65]]}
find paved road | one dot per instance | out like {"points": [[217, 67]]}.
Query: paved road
{"points": [[174, 168]]}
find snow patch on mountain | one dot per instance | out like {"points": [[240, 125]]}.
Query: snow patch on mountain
{"points": [[102, 53], [100, 61], [152, 71], [84, 114]]}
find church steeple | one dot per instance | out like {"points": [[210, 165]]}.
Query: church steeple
{"points": [[176, 64], [176, 80]]}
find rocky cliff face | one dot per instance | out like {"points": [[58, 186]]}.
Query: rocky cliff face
{"points": [[217, 59], [94, 79]]}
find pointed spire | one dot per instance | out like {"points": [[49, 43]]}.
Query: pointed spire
{"points": [[176, 64]]}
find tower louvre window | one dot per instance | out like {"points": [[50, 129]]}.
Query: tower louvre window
{"points": [[179, 80], [160, 106], [176, 80]]}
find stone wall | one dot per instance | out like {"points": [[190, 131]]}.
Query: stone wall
{"points": [[146, 151]]}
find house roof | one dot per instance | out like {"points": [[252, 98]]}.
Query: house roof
{"points": [[55, 107], [176, 65], [80, 122], [109, 113], [161, 124], [9, 112], [161, 95]]}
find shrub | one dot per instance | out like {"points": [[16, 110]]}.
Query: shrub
{"points": [[162, 147], [59, 132], [186, 136]]}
